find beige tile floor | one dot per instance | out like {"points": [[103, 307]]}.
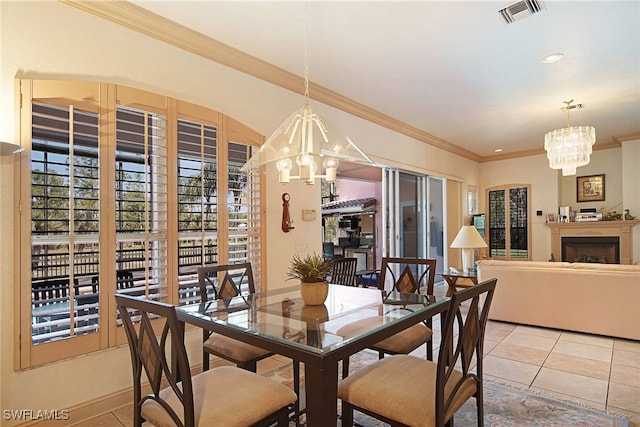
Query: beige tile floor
{"points": [[598, 372]]}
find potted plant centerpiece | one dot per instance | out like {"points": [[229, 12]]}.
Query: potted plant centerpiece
{"points": [[311, 270]]}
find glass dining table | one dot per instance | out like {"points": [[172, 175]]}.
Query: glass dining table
{"points": [[278, 320]]}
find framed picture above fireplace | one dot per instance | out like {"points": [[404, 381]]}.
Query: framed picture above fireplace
{"points": [[590, 188]]}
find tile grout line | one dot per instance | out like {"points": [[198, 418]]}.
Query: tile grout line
{"points": [[606, 403], [545, 359]]}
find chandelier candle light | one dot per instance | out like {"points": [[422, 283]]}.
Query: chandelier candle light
{"points": [[569, 148], [307, 139]]}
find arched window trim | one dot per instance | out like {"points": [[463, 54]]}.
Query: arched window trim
{"points": [[160, 115]]}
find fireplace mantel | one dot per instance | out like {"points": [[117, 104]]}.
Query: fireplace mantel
{"points": [[621, 229]]}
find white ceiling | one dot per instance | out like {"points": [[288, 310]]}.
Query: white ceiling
{"points": [[453, 69]]}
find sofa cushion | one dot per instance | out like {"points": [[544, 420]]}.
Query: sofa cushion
{"points": [[593, 298]]}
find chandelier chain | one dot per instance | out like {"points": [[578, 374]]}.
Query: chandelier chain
{"points": [[306, 141], [568, 108], [306, 53]]}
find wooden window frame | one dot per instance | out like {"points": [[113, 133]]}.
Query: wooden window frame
{"points": [[507, 188], [102, 98]]}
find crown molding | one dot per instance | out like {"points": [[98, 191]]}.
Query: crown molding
{"points": [[514, 155], [145, 22], [625, 138], [537, 151]]}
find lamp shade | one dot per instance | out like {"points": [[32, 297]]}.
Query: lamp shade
{"points": [[468, 237]]}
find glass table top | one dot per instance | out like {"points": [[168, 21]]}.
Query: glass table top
{"points": [[281, 315]]}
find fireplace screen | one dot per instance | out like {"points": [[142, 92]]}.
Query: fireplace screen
{"points": [[604, 250]]}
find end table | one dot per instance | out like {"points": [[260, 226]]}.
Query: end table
{"points": [[452, 279]]}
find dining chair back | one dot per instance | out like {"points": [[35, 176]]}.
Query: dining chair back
{"points": [[406, 275], [461, 346], [224, 281], [343, 271], [188, 401], [454, 379]]}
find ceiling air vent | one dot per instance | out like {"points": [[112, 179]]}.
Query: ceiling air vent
{"points": [[521, 9]]}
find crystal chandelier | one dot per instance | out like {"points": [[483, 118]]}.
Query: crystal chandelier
{"points": [[570, 147], [307, 140]]}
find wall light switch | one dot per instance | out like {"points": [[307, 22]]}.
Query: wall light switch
{"points": [[308, 214]]}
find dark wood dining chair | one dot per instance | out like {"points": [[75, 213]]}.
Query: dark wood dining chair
{"points": [[224, 281], [225, 395], [410, 391], [406, 275], [220, 282], [343, 271]]}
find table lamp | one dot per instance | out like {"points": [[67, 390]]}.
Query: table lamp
{"points": [[468, 239]]}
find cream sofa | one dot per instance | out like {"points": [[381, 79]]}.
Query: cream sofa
{"points": [[599, 299]]}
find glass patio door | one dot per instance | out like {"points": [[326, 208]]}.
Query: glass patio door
{"points": [[413, 214], [436, 225]]}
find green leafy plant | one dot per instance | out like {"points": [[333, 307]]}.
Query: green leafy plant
{"points": [[308, 269], [611, 216]]}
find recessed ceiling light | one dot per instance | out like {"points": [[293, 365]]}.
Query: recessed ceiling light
{"points": [[554, 57], [498, 150]]}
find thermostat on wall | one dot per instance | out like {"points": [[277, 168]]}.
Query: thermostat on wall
{"points": [[308, 214]]}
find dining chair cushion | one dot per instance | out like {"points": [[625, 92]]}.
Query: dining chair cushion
{"points": [[233, 349], [404, 341], [355, 327], [220, 398], [413, 382]]}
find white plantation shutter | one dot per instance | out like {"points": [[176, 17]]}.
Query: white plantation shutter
{"points": [[64, 223], [244, 211], [141, 203], [197, 205]]}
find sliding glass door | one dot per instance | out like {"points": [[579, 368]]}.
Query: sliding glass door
{"points": [[413, 214]]}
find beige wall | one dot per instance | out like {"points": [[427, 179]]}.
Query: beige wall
{"points": [[631, 188], [607, 162], [532, 170], [549, 189]]}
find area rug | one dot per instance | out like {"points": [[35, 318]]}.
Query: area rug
{"points": [[504, 406]]}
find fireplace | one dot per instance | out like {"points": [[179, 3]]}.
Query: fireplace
{"points": [[603, 250], [595, 231]]}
